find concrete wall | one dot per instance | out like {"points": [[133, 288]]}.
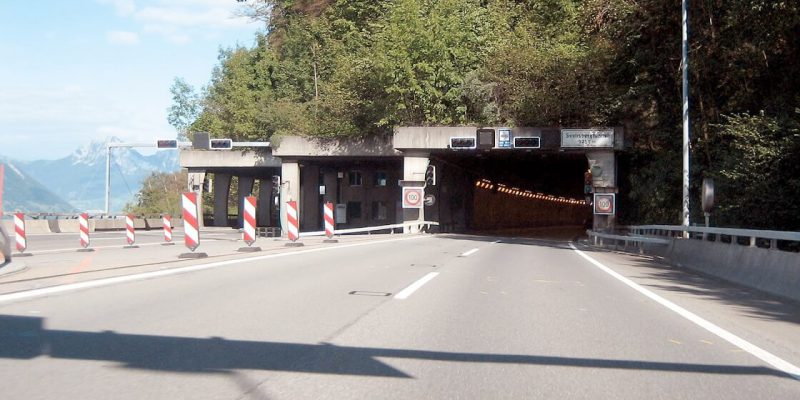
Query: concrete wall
{"points": [[772, 271], [438, 137], [31, 226], [290, 190], [453, 194], [504, 211], [310, 213], [209, 159], [369, 195], [73, 226], [298, 146]]}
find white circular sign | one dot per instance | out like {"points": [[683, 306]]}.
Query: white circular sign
{"points": [[604, 204], [413, 197]]}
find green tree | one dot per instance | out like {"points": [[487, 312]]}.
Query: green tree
{"points": [[338, 68], [160, 194], [185, 107]]}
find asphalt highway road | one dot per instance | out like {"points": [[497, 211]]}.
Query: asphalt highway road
{"points": [[401, 317]]}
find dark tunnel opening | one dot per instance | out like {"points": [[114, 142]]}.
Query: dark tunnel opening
{"points": [[510, 193]]}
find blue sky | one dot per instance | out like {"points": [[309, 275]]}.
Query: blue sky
{"points": [[81, 70]]}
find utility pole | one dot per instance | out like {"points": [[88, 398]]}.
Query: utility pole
{"points": [[109, 146], [685, 67]]}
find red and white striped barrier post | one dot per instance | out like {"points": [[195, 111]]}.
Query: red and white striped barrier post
{"points": [[191, 227], [249, 231], [330, 224], [293, 220], [83, 221], [130, 231], [166, 220], [19, 230]]}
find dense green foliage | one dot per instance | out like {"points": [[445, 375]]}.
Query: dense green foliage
{"points": [[160, 193], [339, 68]]}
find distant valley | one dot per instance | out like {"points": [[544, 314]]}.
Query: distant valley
{"points": [[77, 182]]}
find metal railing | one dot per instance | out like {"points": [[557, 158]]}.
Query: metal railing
{"points": [[626, 239], [418, 224], [752, 237]]}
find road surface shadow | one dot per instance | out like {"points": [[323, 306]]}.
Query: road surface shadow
{"points": [[25, 338], [540, 242], [753, 303]]}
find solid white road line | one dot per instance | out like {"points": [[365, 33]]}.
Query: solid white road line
{"points": [[769, 358], [29, 294], [35, 252], [469, 253], [414, 286]]}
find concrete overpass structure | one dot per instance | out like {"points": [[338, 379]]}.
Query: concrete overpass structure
{"points": [[532, 173]]}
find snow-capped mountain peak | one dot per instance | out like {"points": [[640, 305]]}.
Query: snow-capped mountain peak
{"points": [[93, 153]]}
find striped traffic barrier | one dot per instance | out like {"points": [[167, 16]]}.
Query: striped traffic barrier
{"points": [[166, 220], [330, 224], [293, 220], [249, 231], [191, 227], [130, 232], [19, 230], [83, 221]]}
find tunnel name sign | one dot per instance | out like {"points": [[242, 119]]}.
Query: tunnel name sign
{"points": [[413, 197], [581, 138]]}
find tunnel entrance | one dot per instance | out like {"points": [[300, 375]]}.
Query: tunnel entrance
{"points": [[510, 192]]}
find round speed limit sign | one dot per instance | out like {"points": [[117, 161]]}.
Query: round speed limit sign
{"points": [[412, 197], [604, 204]]}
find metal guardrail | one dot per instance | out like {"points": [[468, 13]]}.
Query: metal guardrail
{"points": [[715, 234], [598, 237], [763, 234], [92, 215], [368, 229]]}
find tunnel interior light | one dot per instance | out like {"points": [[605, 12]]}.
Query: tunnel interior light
{"points": [[524, 193]]}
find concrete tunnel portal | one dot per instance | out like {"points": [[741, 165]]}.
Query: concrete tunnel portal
{"points": [[488, 180]]}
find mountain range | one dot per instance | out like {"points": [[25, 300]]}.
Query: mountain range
{"points": [[77, 182]]}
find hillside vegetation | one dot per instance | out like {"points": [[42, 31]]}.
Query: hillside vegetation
{"points": [[341, 68]]}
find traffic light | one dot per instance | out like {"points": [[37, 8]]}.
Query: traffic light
{"points": [[167, 144], [200, 140], [221, 144], [533, 142], [485, 138], [462, 142], [430, 175]]}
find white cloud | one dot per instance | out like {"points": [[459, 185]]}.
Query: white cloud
{"points": [[122, 37], [213, 17], [178, 20], [122, 7], [66, 117], [170, 33]]}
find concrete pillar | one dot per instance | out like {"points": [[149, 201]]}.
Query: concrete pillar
{"points": [[222, 188], [603, 164], [414, 166], [264, 202], [245, 189], [311, 210], [290, 189], [603, 167], [331, 183], [195, 184]]}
